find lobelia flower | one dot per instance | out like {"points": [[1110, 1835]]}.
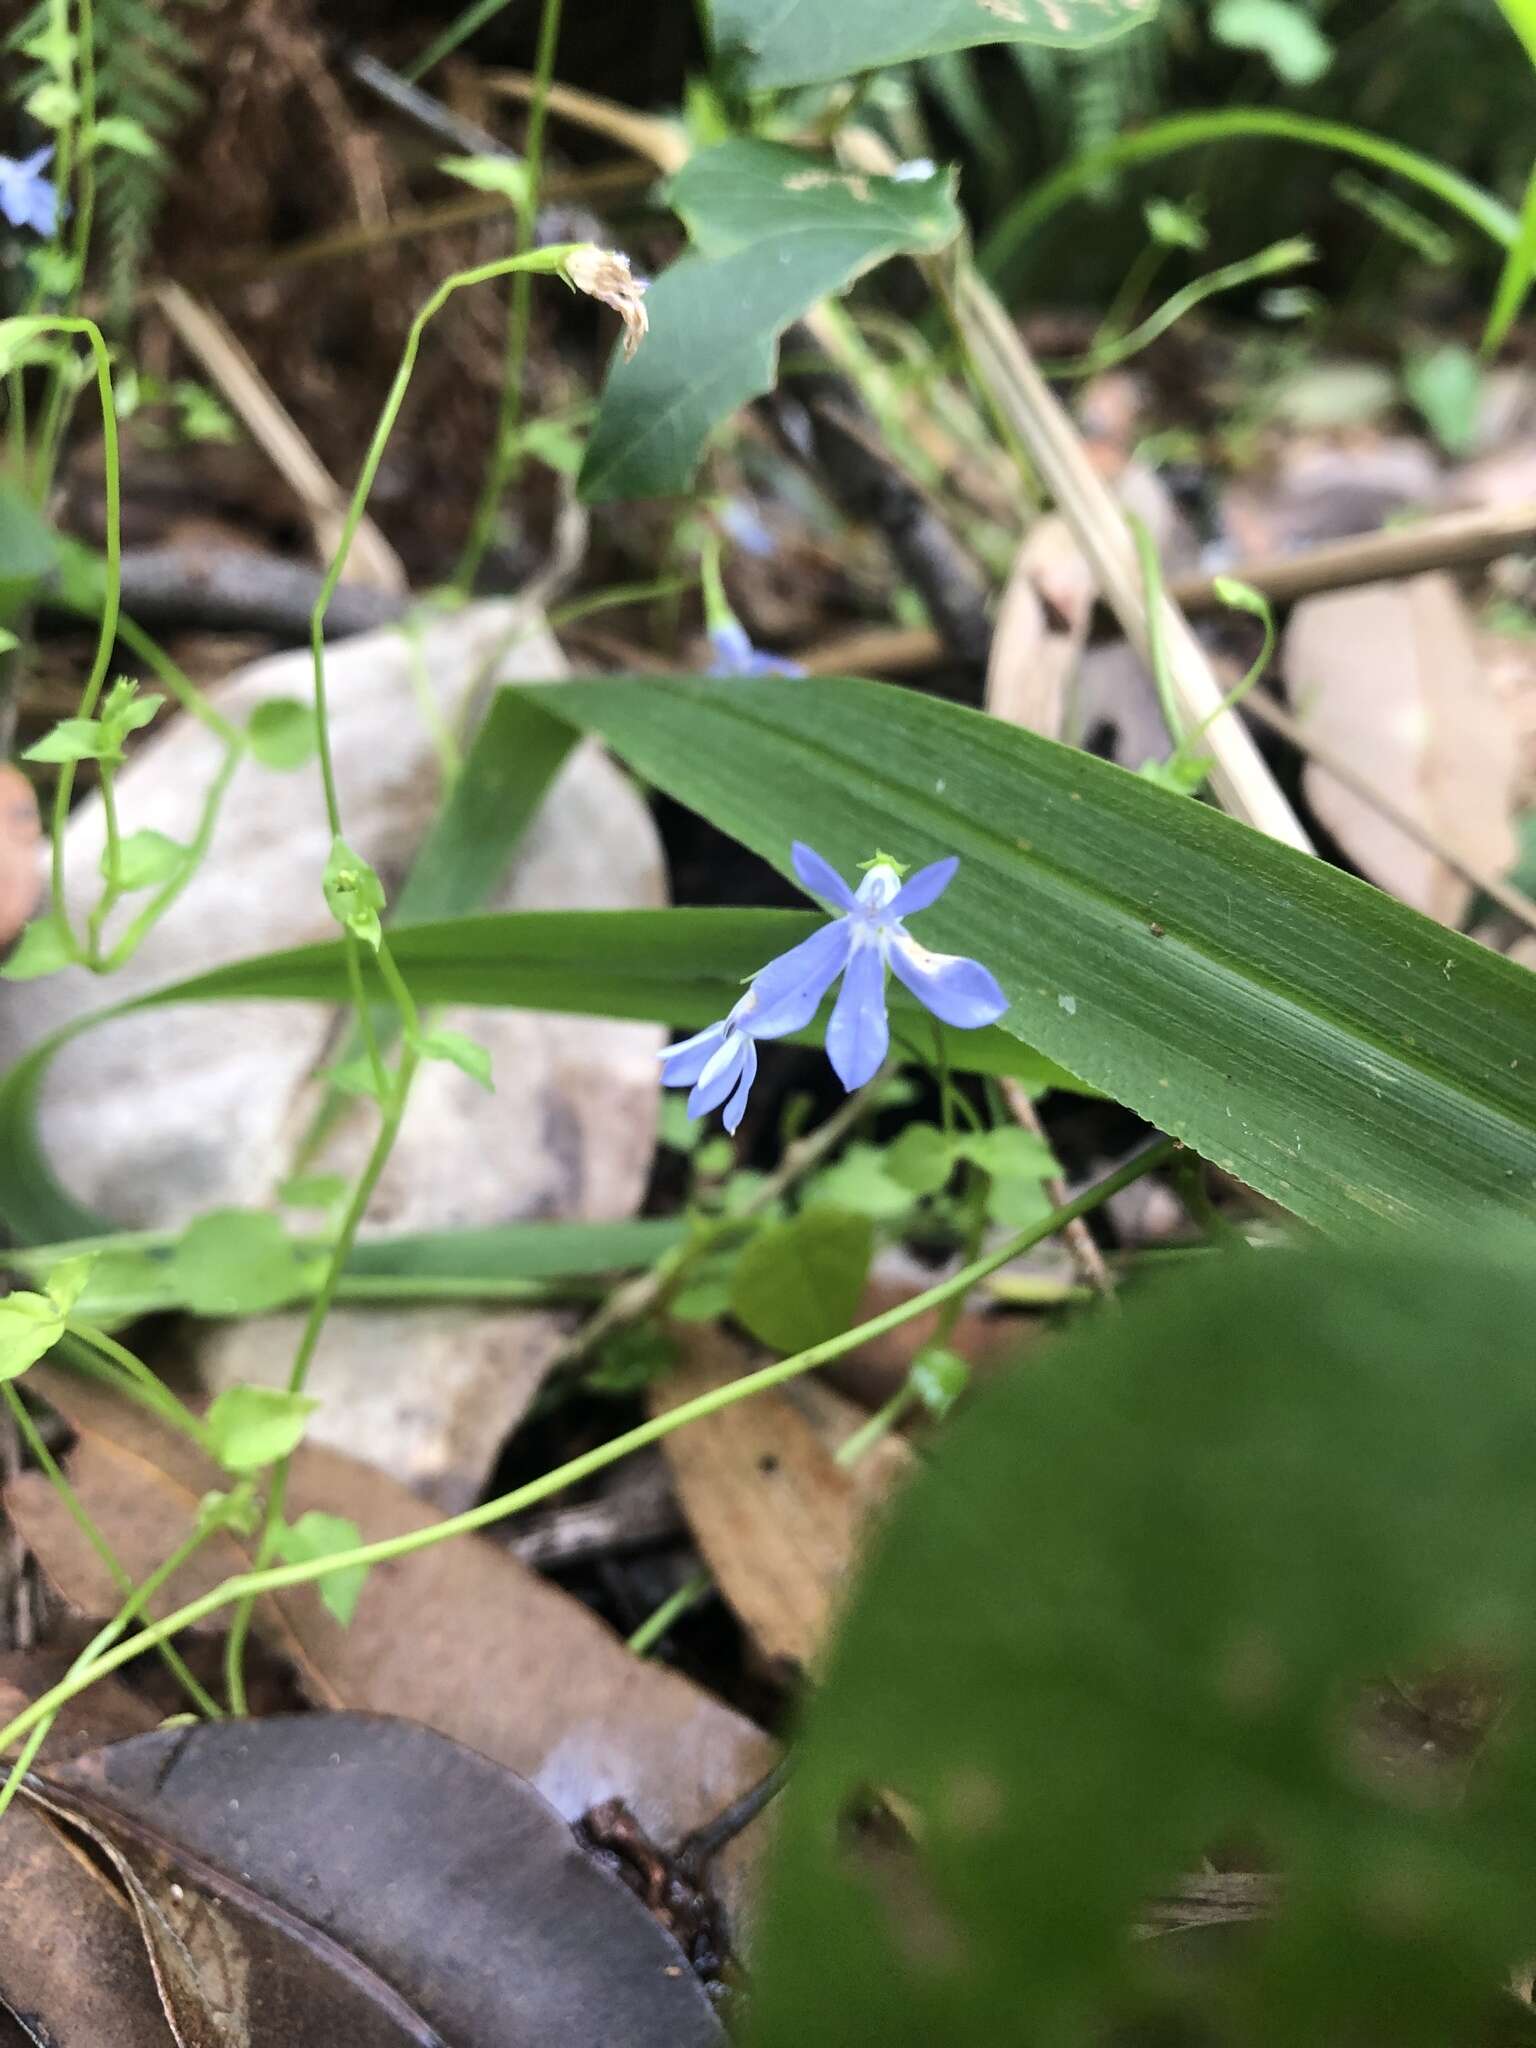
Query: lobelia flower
{"points": [[27, 199], [719, 1063], [736, 656]]}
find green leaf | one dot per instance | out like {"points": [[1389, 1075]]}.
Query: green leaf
{"points": [[1137, 1608], [66, 1282], [127, 710], [805, 42], [939, 1377], [1002, 252], [774, 230], [684, 967], [42, 949], [118, 131], [236, 1262], [507, 175], [1007, 1153], [355, 894], [800, 1281], [1342, 1054], [312, 1191], [1446, 384], [283, 734], [53, 104], [74, 739], [251, 1427], [29, 549], [30, 1326], [921, 1160], [860, 1180], [1298, 51], [316, 1535], [1516, 278], [460, 1051], [145, 859]]}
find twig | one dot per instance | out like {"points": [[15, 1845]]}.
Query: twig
{"points": [[1269, 713], [1456, 540], [873, 487], [234, 590], [1079, 1239], [205, 335], [428, 113]]}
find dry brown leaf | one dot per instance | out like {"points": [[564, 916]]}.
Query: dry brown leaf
{"points": [[459, 1636], [90, 1974], [1041, 630], [1388, 678], [876, 1368], [777, 1519], [109, 1712]]}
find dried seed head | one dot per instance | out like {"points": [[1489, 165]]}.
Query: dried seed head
{"points": [[605, 274]]}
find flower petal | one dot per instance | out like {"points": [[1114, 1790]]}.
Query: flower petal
{"points": [[858, 1037], [732, 1113], [720, 1074], [787, 993], [682, 1064], [957, 991], [820, 877], [732, 648], [925, 887]]}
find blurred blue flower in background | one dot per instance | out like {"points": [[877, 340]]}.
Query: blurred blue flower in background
{"points": [[27, 197], [736, 656]]}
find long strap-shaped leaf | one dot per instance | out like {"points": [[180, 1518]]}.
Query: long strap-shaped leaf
{"points": [[684, 967], [1339, 1052]]}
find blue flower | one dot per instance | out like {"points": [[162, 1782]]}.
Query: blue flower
{"points": [[736, 656], [27, 199], [719, 1063]]}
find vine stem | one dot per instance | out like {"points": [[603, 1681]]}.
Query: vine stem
{"points": [[84, 1666], [320, 1308], [542, 261], [74, 1507], [106, 638], [250, 1586], [503, 463]]}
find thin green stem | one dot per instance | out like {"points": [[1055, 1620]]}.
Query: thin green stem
{"points": [[394, 981], [252, 1585], [543, 261], [84, 1665], [673, 1608], [506, 455], [162, 899], [181, 686], [458, 31], [112, 890], [149, 1390], [878, 1425], [320, 1308], [106, 638], [353, 950], [75, 1508]]}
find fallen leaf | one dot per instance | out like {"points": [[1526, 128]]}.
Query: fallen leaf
{"points": [[109, 1712], [71, 1961], [776, 1518], [1326, 487], [1041, 629], [459, 1636], [1388, 678], [157, 1118], [316, 1880]]}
